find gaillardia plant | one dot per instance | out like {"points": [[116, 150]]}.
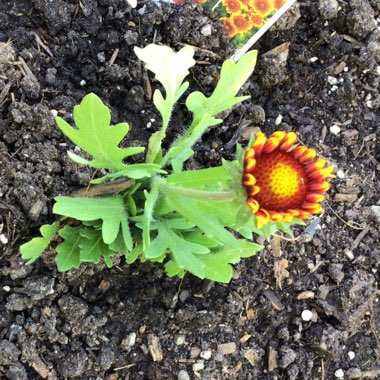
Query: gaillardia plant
{"points": [[197, 221]]}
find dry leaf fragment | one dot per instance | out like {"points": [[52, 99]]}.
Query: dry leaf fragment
{"points": [[245, 338], [272, 359], [306, 295], [155, 348], [280, 271], [252, 356], [276, 245], [251, 314]]}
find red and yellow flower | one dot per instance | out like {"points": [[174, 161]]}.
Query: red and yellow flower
{"points": [[282, 181], [262, 7], [229, 28], [241, 23], [233, 6], [278, 4], [257, 20]]}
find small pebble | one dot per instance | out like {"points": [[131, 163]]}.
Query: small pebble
{"points": [[339, 374], [179, 340], [194, 352], [258, 114], [332, 80], [349, 254], [184, 295], [351, 355], [334, 129], [278, 120], [206, 30], [82, 82], [101, 57], [131, 339], [3, 239], [313, 59], [306, 315], [7, 288], [340, 174], [206, 355], [329, 9], [375, 211], [142, 10], [132, 3], [183, 375], [227, 348], [198, 366], [54, 113]]}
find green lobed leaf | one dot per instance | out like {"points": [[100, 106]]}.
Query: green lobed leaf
{"points": [[68, 252], [269, 229], [134, 254], [232, 77], [170, 69], [95, 135], [172, 269], [92, 247], [217, 266], [210, 225], [33, 249], [110, 210], [118, 245]]}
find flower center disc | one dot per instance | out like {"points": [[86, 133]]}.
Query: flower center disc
{"points": [[282, 181]]}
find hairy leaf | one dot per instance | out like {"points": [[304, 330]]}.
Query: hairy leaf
{"points": [[92, 247], [68, 252], [199, 179], [95, 135], [207, 223], [171, 69], [32, 250], [110, 210], [232, 77], [151, 199], [172, 269]]}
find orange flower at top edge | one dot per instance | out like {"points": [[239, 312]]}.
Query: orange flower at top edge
{"points": [[278, 4], [283, 183], [232, 6], [263, 7]]}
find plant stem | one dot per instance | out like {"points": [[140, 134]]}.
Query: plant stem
{"points": [[195, 194]]}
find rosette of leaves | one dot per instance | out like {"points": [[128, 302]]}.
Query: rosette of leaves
{"points": [[194, 221]]}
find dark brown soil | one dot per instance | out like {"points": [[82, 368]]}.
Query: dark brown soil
{"points": [[96, 323]]}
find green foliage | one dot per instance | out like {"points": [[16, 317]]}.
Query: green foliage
{"points": [[191, 221], [95, 135], [205, 109], [110, 210], [171, 69], [68, 252], [32, 250], [232, 78]]}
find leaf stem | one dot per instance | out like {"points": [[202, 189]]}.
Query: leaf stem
{"points": [[193, 193]]}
